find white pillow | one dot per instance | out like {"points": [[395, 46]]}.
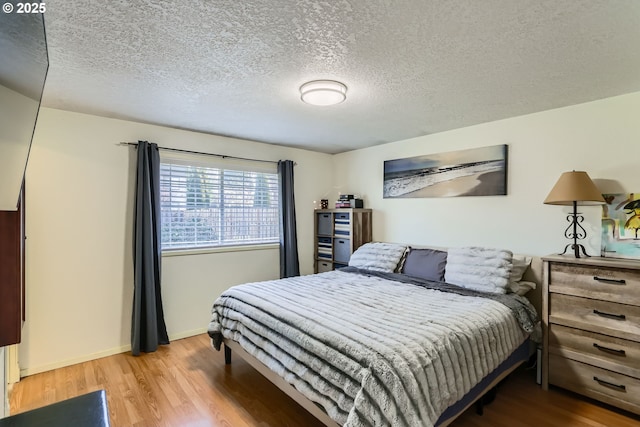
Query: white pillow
{"points": [[516, 285], [521, 287], [378, 256], [520, 265], [478, 268]]}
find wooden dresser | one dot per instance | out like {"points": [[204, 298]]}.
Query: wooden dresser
{"points": [[591, 324]]}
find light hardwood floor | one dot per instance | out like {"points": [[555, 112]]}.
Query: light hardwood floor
{"points": [[187, 384]]}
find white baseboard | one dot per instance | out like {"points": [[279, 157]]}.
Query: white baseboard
{"points": [[100, 354], [187, 334], [25, 372], [12, 370]]}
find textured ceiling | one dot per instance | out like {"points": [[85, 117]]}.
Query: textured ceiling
{"points": [[233, 67]]}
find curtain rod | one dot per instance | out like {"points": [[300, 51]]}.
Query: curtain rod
{"points": [[224, 156]]}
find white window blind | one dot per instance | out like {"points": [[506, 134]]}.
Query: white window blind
{"points": [[217, 203]]}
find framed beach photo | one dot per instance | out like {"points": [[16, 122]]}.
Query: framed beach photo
{"points": [[472, 172]]}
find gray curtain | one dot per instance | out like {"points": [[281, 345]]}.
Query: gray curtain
{"points": [[289, 265], [148, 329]]}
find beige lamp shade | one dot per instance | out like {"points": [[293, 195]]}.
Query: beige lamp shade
{"points": [[574, 186]]}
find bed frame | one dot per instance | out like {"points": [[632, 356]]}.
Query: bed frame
{"points": [[534, 274], [317, 412], [278, 381]]}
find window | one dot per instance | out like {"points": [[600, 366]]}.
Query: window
{"points": [[209, 204]]}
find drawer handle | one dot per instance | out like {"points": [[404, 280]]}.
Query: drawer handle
{"points": [[614, 281], [613, 316], [609, 350], [608, 384]]}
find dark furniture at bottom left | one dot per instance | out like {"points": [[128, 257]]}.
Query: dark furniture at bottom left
{"points": [[88, 410]]}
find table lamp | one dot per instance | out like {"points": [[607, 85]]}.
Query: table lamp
{"points": [[575, 188]]}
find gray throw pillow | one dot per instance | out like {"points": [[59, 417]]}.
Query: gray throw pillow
{"points": [[426, 264]]}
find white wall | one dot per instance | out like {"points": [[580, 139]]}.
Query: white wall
{"points": [[79, 213], [79, 223], [602, 138]]}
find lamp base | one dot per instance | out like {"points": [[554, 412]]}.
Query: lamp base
{"points": [[576, 247], [576, 232]]}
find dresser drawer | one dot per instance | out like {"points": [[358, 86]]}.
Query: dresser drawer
{"points": [[607, 386], [607, 352], [342, 224], [324, 247], [609, 284], [342, 250], [324, 266], [325, 224], [609, 318]]}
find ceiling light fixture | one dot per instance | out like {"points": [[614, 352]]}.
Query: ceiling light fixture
{"points": [[323, 92]]}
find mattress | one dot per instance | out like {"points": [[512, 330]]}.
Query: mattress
{"points": [[373, 348]]}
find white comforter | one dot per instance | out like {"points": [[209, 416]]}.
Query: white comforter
{"points": [[370, 351]]}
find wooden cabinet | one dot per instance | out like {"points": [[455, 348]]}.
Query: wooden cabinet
{"points": [[12, 274], [591, 322], [339, 232]]}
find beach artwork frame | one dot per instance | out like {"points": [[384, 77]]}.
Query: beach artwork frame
{"points": [[621, 226], [472, 172]]}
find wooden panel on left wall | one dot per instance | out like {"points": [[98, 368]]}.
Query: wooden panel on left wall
{"points": [[12, 273]]}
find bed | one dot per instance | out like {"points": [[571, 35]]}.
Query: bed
{"points": [[365, 345]]}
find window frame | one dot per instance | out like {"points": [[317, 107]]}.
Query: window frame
{"points": [[221, 164]]}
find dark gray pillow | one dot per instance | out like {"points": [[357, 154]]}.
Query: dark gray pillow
{"points": [[426, 264]]}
